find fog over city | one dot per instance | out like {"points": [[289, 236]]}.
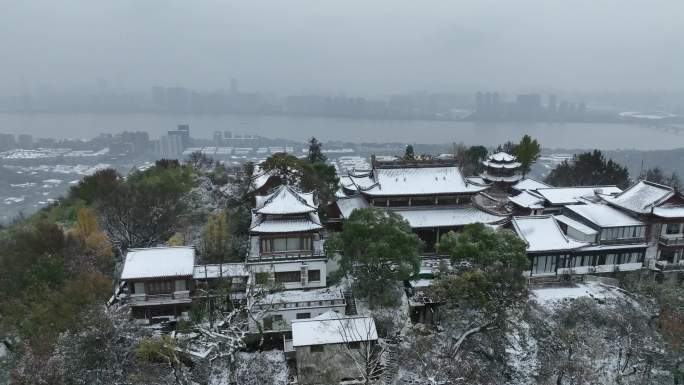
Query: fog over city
{"points": [[356, 47]]}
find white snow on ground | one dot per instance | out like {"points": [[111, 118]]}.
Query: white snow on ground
{"points": [[3, 350], [594, 290], [521, 354]]}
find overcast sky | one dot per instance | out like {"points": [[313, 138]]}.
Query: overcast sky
{"points": [[366, 47]]}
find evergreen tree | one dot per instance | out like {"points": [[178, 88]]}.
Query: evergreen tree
{"points": [[378, 249], [315, 151], [409, 154], [589, 168], [527, 151]]}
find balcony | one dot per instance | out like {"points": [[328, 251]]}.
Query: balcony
{"points": [[160, 299], [671, 240]]}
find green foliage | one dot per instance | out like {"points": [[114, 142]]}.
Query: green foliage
{"points": [[470, 158], [409, 153], [485, 247], [589, 168], [96, 186], [377, 248], [495, 282], [156, 350], [145, 210], [288, 167], [318, 176], [527, 151], [216, 238], [315, 151]]}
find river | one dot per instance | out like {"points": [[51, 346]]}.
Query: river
{"points": [[568, 135]]}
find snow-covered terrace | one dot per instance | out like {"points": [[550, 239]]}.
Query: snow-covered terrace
{"points": [[217, 271], [292, 299]]}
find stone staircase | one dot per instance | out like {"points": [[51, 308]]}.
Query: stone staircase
{"points": [[392, 367], [351, 302]]}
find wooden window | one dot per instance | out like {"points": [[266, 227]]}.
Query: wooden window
{"points": [[314, 275], [287, 276], [672, 228], [159, 287], [303, 315], [285, 244], [317, 348], [354, 345]]}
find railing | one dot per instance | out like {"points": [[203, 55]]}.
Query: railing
{"points": [[622, 241], [666, 266], [287, 255], [667, 240], [177, 296]]}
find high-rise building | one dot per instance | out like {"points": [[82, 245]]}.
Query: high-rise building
{"points": [[25, 141], [552, 107], [169, 147], [7, 141], [183, 133]]}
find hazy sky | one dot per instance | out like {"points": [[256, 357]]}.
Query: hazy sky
{"points": [[352, 46]]}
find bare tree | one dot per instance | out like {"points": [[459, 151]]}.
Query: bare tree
{"points": [[361, 347]]}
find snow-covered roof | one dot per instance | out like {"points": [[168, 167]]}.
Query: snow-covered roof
{"points": [[603, 215], [669, 211], [266, 224], [347, 205], [501, 178], [572, 195], [415, 181], [285, 200], [529, 184], [332, 328], [541, 233], [292, 296], [477, 180], [579, 226], [217, 270], [448, 216], [502, 157], [158, 262], [640, 197], [261, 177], [528, 200], [511, 165]]}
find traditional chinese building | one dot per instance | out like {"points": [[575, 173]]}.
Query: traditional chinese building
{"points": [[285, 241], [433, 196], [662, 209], [501, 169], [157, 281]]}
